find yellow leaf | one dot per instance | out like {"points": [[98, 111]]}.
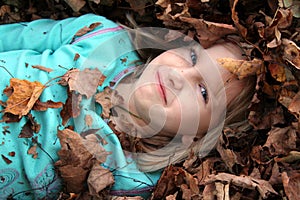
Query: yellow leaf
{"points": [[24, 96], [241, 68]]}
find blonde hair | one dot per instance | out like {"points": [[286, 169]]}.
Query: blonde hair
{"points": [[150, 154]]}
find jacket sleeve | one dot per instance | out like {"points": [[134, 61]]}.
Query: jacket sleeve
{"points": [[40, 35]]}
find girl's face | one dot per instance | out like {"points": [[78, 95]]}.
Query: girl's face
{"points": [[179, 92]]}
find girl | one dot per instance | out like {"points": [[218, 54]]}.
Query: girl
{"points": [[177, 104]]}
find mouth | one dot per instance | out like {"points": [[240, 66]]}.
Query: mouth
{"points": [[161, 89]]}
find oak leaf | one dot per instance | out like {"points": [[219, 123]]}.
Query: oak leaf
{"points": [[24, 96], [76, 5]]}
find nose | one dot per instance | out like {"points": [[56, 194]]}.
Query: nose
{"points": [[175, 79]]}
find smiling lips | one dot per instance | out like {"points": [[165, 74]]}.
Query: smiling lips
{"points": [[161, 88]]}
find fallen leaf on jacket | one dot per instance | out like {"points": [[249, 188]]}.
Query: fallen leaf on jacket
{"points": [[24, 96], [263, 187], [241, 68], [32, 151], [42, 106], [86, 29], [104, 98], [84, 82], [71, 108], [46, 69], [76, 160], [99, 178], [88, 119], [6, 160], [209, 32]]}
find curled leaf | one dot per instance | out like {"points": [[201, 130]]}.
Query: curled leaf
{"points": [[209, 32], [24, 96]]}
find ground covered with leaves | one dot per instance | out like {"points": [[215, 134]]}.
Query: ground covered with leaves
{"points": [[260, 163]]}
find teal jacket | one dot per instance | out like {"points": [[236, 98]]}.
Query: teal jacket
{"points": [[53, 44]]}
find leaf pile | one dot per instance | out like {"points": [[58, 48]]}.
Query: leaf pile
{"points": [[258, 163]]}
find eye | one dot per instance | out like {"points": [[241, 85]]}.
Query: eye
{"points": [[193, 57], [204, 94]]}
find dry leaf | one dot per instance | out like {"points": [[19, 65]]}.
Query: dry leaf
{"points": [[24, 96], [99, 178], [291, 184], [241, 68], [6, 160], [71, 108], [263, 187], [88, 120], [104, 99], [294, 106], [234, 15], [77, 158], [85, 29], [84, 82], [209, 32], [293, 156], [42, 68], [277, 72], [281, 140], [76, 5], [42, 106], [75, 161], [291, 53], [32, 151], [140, 6]]}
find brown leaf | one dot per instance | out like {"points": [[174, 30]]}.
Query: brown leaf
{"points": [[76, 158], [88, 120], [281, 140], [293, 156], [291, 184], [209, 32], [242, 68], [75, 161], [8, 161], [76, 5], [32, 151], [277, 72], [99, 178], [10, 118], [84, 82], [24, 96], [71, 108], [42, 68], [42, 106], [294, 106], [12, 154], [234, 15], [104, 98], [85, 29], [139, 6], [263, 187], [291, 53], [30, 127]]}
